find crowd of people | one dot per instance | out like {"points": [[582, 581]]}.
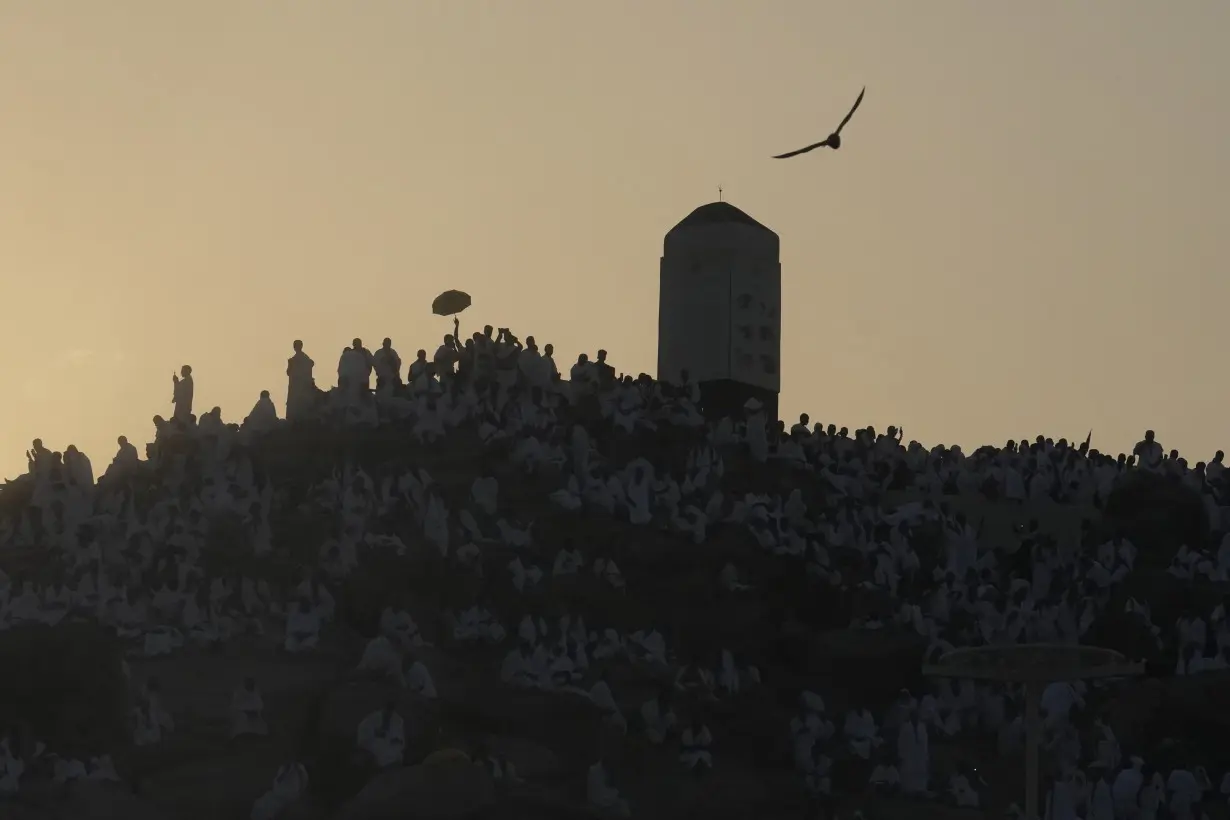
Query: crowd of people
{"points": [[133, 545]]}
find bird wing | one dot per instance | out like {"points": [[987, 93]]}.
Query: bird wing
{"points": [[857, 103], [811, 147]]}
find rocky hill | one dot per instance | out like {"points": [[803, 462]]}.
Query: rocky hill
{"points": [[71, 686]]}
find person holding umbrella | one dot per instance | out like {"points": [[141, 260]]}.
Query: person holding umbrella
{"points": [[449, 303], [446, 356]]}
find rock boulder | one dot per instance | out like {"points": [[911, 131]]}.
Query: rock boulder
{"points": [[424, 792]]}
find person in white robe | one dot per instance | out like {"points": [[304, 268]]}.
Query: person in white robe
{"points": [[1102, 801], [962, 791], [694, 747], [289, 784], [913, 752], [756, 432], [607, 570], [302, 627], [885, 777], [1127, 786], [567, 562], [102, 770], [729, 579], [518, 668], [503, 771], [1061, 800], [77, 465], [381, 657], [66, 770], [182, 394], [1184, 792], [602, 696], [151, 720], [382, 734], [400, 628], [602, 795], [728, 674], [301, 386], [264, 416], [248, 710], [388, 368], [861, 732], [11, 769], [658, 717], [1152, 797], [419, 680]]}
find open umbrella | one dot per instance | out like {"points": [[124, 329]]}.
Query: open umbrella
{"points": [[450, 302]]}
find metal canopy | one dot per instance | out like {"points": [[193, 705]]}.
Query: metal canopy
{"points": [[1033, 663]]}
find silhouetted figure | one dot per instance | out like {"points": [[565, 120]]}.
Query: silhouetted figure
{"points": [[264, 415], [354, 369], [182, 397], [420, 370], [548, 357], [301, 385], [833, 140], [605, 373], [388, 367], [77, 463], [38, 456], [362, 354], [446, 356], [1148, 452], [126, 459]]}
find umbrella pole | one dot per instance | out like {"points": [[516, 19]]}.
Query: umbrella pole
{"points": [[1033, 730]]}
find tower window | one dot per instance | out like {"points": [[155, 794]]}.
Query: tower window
{"points": [[768, 364]]}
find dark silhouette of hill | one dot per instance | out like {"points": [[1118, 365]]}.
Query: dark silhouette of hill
{"points": [[800, 634]]}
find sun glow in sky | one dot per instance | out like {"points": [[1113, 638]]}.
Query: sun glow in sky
{"points": [[1025, 231]]}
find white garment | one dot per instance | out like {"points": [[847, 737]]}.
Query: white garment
{"points": [[289, 784], [383, 738], [657, 724], [913, 751], [248, 713], [694, 748], [601, 795], [419, 680]]}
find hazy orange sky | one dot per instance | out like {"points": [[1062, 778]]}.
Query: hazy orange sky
{"points": [[1026, 230]]}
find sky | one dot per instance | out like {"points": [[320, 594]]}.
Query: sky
{"points": [[1026, 230]]}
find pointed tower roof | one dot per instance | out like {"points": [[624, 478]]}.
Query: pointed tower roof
{"points": [[717, 213]]}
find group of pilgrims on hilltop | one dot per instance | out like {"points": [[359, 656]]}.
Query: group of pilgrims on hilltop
{"points": [[133, 546]]}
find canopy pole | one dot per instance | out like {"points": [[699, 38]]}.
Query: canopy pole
{"points": [[1033, 729]]}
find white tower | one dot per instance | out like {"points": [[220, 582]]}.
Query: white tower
{"points": [[719, 308]]}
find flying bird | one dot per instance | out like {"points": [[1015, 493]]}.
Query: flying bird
{"points": [[833, 140]]}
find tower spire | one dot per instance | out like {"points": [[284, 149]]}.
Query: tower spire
{"points": [[720, 194]]}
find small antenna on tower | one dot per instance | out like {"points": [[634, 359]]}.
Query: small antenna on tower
{"points": [[720, 194]]}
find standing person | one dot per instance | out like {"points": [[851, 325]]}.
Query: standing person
{"points": [[388, 367], [301, 385], [182, 396]]}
